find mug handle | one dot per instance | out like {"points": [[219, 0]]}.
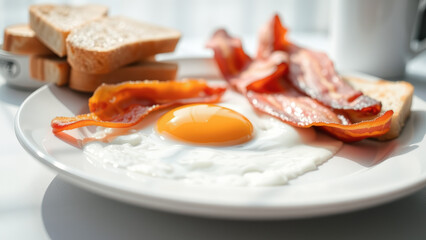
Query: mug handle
{"points": [[418, 42]]}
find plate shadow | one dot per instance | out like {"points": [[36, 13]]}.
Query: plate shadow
{"points": [[70, 212]]}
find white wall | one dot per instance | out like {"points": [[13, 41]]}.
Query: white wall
{"points": [[198, 18]]}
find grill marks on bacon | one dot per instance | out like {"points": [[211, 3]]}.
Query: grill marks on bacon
{"points": [[124, 105], [265, 83]]}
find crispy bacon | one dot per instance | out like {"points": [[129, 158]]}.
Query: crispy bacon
{"points": [[302, 111], [361, 130], [239, 69], [264, 83], [296, 109], [272, 37], [313, 72], [229, 54], [273, 67], [126, 104], [299, 110]]}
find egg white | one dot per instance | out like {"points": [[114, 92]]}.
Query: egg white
{"points": [[276, 154]]}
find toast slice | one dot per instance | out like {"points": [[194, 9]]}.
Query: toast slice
{"points": [[21, 39], [106, 44], [53, 23], [87, 82], [394, 95], [50, 69]]}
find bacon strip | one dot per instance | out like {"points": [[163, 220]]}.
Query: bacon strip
{"points": [[239, 69], [272, 38], [361, 130], [229, 54], [313, 73], [296, 109], [257, 76], [263, 83], [302, 111], [126, 104]]}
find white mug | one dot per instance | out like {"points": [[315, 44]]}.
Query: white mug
{"points": [[376, 37], [14, 68]]}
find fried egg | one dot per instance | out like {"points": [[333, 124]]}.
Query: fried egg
{"points": [[215, 144]]}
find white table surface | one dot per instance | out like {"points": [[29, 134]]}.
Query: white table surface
{"points": [[37, 204]]}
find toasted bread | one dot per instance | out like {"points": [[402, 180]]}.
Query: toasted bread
{"points": [[87, 82], [50, 69], [394, 95], [106, 44], [21, 39], [53, 23]]}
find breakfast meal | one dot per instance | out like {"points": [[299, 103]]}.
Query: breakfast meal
{"points": [[259, 133], [126, 104], [214, 137], [216, 144], [311, 93], [272, 118], [81, 47]]}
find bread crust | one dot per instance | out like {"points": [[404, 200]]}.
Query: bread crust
{"points": [[90, 58], [144, 70], [394, 95], [50, 69]]}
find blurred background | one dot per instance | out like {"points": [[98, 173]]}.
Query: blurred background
{"points": [[308, 21], [198, 18]]}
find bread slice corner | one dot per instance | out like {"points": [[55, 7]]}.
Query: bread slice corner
{"points": [[394, 95], [21, 39], [53, 22]]}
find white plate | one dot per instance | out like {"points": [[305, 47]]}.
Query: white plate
{"points": [[364, 174]]}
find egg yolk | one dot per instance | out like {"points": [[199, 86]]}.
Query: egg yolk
{"points": [[206, 124]]}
